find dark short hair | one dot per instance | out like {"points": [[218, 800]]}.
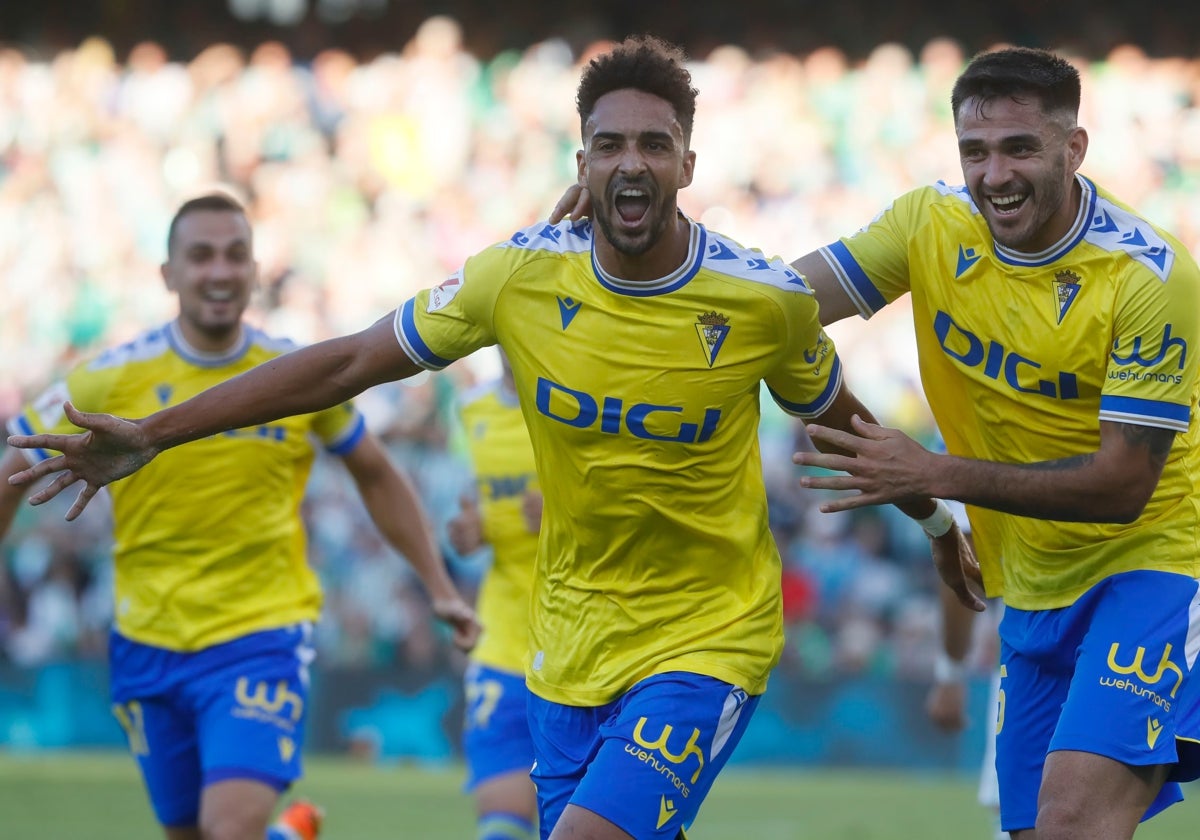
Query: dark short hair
{"points": [[219, 201], [640, 62], [1018, 73]]}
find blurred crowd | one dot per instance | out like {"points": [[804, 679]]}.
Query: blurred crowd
{"points": [[370, 178]]}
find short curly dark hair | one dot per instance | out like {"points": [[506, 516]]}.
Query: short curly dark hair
{"points": [[640, 62]]}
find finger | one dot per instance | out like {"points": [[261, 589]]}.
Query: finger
{"points": [[841, 439], [583, 206], [81, 501], [824, 460], [38, 470], [845, 503], [566, 205], [61, 483], [839, 481], [58, 443], [967, 596]]}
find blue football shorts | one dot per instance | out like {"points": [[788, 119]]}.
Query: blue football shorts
{"points": [[231, 711], [496, 738], [645, 761], [1110, 675]]}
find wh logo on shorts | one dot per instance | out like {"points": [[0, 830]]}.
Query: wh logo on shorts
{"points": [[660, 746], [263, 702], [1136, 669]]}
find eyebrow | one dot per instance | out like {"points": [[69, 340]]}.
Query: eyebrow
{"points": [[645, 135]]}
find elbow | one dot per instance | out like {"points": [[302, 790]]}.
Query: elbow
{"points": [[1128, 505]]}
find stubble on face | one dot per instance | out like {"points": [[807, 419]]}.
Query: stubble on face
{"points": [[634, 162], [1017, 164]]}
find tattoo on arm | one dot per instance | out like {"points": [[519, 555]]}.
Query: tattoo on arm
{"points": [[1064, 463], [1157, 442]]}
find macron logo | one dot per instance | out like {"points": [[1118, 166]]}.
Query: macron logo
{"points": [[666, 810], [967, 257], [567, 310]]}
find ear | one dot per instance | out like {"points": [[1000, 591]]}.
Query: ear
{"points": [[1077, 145], [165, 271], [580, 168], [689, 168]]}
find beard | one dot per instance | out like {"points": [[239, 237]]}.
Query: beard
{"points": [[631, 244]]}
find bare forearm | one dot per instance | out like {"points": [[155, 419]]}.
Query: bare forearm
{"points": [[957, 624], [303, 381], [397, 513], [395, 508], [1075, 489]]}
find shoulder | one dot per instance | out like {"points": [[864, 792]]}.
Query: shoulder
{"points": [[544, 239], [1122, 232], [724, 256], [147, 346]]}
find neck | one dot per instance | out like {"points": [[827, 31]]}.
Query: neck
{"points": [[666, 254], [209, 342]]}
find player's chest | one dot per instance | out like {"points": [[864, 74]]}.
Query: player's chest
{"points": [[146, 391]]}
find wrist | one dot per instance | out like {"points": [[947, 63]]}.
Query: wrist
{"points": [[938, 523], [947, 670]]}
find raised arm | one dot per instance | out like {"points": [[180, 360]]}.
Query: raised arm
{"points": [[394, 507], [306, 380], [1112, 484]]}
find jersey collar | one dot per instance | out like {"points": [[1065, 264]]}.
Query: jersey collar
{"points": [[202, 358], [1079, 228], [697, 244]]}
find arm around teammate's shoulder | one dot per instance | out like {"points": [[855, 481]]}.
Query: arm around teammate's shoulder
{"points": [[832, 299]]}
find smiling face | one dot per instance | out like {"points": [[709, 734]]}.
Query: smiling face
{"points": [[1019, 164], [634, 162], [211, 267]]}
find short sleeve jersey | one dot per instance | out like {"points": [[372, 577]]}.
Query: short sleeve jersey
{"points": [[208, 540], [642, 404], [1023, 355]]}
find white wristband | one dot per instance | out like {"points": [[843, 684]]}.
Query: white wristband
{"points": [[947, 670], [938, 523]]}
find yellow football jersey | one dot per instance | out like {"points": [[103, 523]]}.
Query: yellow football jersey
{"points": [[208, 540], [1022, 356], [502, 458], [642, 404]]}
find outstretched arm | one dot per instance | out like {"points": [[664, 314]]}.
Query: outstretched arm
{"points": [[306, 380], [1112, 484], [395, 509], [952, 554]]}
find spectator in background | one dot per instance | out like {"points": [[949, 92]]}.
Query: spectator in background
{"points": [[215, 601]]}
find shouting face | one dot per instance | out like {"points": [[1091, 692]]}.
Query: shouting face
{"points": [[634, 162]]}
